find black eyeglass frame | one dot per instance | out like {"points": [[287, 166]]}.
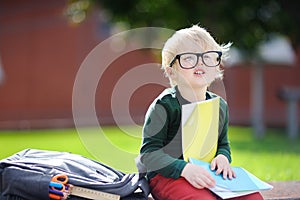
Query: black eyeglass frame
{"points": [[198, 55]]}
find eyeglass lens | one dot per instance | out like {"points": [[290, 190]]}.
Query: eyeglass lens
{"points": [[190, 60]]}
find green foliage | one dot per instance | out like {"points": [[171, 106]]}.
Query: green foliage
{"points": [[245, 23]]}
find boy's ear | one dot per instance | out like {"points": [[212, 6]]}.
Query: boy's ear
{"points": [[170, 72]]}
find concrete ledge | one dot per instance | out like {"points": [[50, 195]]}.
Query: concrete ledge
{"points": [[289, 190]]}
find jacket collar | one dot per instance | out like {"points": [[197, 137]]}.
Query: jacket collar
{"points": [[175, 93]]}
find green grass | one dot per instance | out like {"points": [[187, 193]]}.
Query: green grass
{"points": [[273, 158]]}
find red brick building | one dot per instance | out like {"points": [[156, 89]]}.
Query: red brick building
{"points": [[41, 52]]}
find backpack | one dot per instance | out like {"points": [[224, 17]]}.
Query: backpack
{"points": [[26, 176]]}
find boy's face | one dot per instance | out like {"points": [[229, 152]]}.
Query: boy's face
{"points": [[198, 77]]}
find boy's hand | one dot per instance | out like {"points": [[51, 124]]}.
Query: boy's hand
{"points": [[221, 164], [197, 176]]}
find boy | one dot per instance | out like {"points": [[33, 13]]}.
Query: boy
{"points": [[191, 60]]}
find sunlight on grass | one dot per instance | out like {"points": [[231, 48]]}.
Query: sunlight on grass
{"points": [[60, 140], [272, 158], [128, 139]]}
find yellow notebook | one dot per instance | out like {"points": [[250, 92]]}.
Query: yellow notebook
{"points": [[200, 122]]}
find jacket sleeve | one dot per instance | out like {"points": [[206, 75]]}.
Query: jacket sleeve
{"points": [[223, 141], [155, 133]]}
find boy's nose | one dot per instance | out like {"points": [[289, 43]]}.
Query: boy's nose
{"points": [[200, 63]]}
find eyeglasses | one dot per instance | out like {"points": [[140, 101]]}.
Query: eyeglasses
{"points": [[190, 60]]}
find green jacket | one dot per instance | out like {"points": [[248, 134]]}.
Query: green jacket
{"points": [[161, 150]]}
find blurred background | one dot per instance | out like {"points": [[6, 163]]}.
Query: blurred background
{"points": [[43, 43]]}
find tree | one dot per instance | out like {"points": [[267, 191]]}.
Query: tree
{"points": [[245, 23]]}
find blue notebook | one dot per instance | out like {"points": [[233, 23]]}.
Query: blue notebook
{"points": [[244, 181]]}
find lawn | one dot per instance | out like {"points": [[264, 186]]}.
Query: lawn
{"points": [[273, 158]]}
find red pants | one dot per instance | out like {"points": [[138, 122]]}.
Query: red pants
{"points": [[174, 189]]}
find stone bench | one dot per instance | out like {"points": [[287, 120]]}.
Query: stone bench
{"points": [[289, 190]]}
